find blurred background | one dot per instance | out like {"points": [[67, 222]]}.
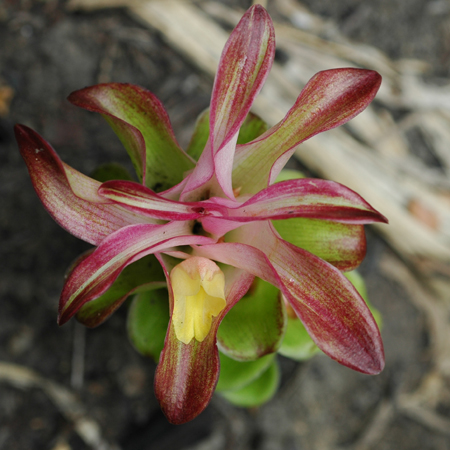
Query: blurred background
{"points": [[71, 388]]}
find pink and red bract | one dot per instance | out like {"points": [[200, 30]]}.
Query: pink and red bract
{"points": [[219, 208]]}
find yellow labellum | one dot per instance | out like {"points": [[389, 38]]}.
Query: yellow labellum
{"points": [[199, 294]]}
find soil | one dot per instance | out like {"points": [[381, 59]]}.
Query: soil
{"points": [[46, 52]]}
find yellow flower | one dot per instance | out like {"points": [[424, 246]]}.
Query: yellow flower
{"points": [[199, 294]]}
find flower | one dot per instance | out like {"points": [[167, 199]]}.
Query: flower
{"points": [[226, 207], [198, 287]]}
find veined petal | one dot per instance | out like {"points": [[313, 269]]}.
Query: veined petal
{"points": [[82, 186], [331, 98], [144, 274], [143, 126], [218, 227], [333, 312], [313, 198], [70, 197], [140, 199], [199, 180], [331, 309], [95, 274], [243, 67], [187, 374], [174, 192], [252, 127], [342, 245]]}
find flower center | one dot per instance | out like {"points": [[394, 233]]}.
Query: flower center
{"points": [[199, 295]]}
